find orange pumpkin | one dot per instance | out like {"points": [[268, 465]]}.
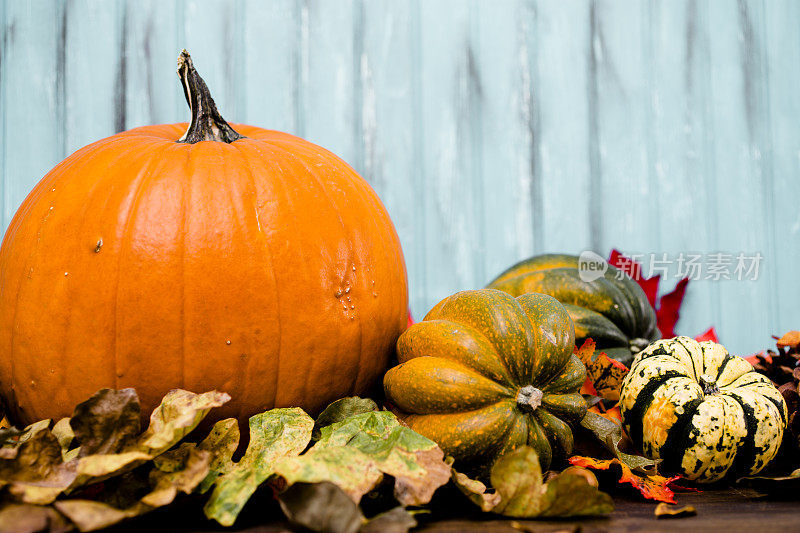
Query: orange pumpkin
{"points": [[237, 258]]}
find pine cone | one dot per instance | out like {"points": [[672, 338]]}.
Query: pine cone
{"points": [[783, 368]]}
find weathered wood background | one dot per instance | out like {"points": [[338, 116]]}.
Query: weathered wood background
{"points": [[492, 130]]}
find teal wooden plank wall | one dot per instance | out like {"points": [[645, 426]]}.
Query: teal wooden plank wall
{"points": [[491, 130]]}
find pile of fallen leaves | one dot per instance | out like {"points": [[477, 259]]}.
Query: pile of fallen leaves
{"points": [[98, 468], [782, 366], [601, 441]]}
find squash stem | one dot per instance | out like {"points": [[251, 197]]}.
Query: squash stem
{"points": [[709, 384], [207, 124], [529, 398], [638, 344]]}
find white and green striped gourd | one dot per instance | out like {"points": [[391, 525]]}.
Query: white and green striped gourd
{"points": [[704, 412]]}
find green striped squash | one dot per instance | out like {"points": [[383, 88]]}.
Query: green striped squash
{"points": [[485, 373], [612, 309], [704, 412]]}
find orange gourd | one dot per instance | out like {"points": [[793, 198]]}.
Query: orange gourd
{"points": [[233, 258]]}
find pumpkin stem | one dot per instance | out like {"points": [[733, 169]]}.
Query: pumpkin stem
{"points": [[207, 124], [529, 398], [709, 384], [638, 344]]}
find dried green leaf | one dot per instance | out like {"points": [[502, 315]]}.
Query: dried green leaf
{"points": [[62, 430], [273, 435], [397, 520], [33, 429], [25, 518], [107, 422], [322, 507], [221, 442], [354, 453], [610, 435], [35, 471], [521, 492], [90, 515], [348, 468], [341, 410], [476, 491], [785, 485], [10, 436], [665, 510], [517, 478], [181, 470], [573, 495], [178, 414]]}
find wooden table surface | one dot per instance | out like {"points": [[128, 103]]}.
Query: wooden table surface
{"points": [[725, 509]]}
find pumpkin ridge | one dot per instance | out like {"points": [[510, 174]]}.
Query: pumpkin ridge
{"points": [[313, 175], [634, 295], [678, 437], [290, 208], [278, 314], [721, 368], [561, 383], [779, 406], [144, 173], [233, 179], [634, 416], [695, 374], [566, 405], [269, 257], [503, 378], [556, 430], [352, 260], [505, 441], [552, 336], [368, 195], [28, 204], [424, 381], [510, 318], [746, 453], [153, 162], [537, 439], [717, 470], [69, 312]]}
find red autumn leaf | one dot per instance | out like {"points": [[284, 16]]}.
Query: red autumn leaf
{"points": [[603, 374], [410, 320], [708, 335], [754, 359], [651, 487], [588, 388], [668, 306], [668, 311]]}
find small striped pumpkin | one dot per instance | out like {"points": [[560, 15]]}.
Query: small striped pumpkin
{"points": [[704, 412]]}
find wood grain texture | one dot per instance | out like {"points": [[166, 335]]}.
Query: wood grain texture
{"points": [[491, 132]]}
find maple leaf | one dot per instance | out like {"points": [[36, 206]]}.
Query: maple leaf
{"points": [[652, 487], [668, 306], [603, 375]]}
